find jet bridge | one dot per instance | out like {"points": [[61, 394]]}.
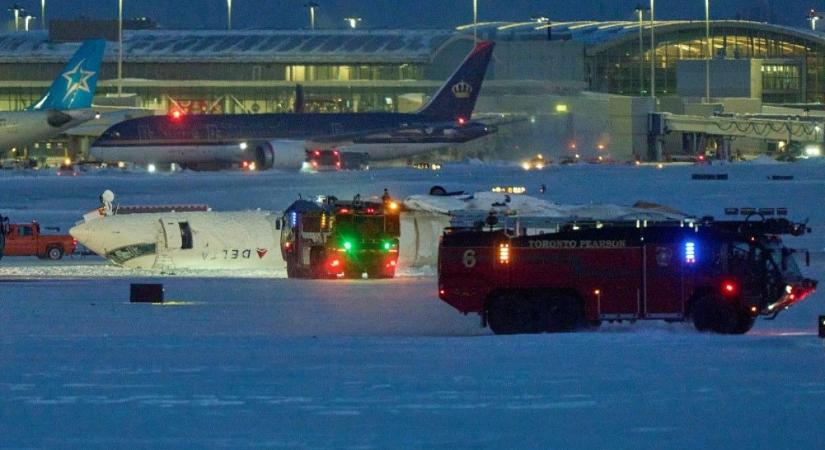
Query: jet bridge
{"points": [[728, 127]]}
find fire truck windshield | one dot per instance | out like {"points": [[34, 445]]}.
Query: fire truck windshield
{"points": [[784, 260], [367, 226]]}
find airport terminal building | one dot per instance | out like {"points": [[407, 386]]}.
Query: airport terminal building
{"points": [[578, 80]]}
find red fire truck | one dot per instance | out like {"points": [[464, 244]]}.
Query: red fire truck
{"points": [[719, 274]]}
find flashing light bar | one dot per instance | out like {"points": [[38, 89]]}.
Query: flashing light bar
{"points": [[509, 189], [747, 211], [504, 253], [690, 252]]}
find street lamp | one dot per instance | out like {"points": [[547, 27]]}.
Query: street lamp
{"points": [[43, 14], [312, 6], [26, 20], [229, 15], [475, 21], [653, 51], [17, 10], [813, 17], [119, 48], [352, 21], [707, 51], [640, 10]]}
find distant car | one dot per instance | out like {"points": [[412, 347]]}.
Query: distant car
{"points": [[67, 170], [537, 162]]}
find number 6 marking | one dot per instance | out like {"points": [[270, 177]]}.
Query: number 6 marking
{"points": [[469, 259]]}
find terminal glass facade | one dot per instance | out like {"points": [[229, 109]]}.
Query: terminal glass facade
{"points": [[799, 77]]}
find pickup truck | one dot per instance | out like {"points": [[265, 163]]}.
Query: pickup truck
{"points": [[27, 240]]}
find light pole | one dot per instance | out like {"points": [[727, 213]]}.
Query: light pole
{"points": [[475, 21], [312, 6], [43, 14], [119, 48], [26, 20], [652, 51], [707, 51], [352, 21], [813, 17], [640, 10], [229, 15], [17, 10]]}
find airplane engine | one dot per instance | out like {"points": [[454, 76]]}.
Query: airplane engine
{"points": [[264, 156], [281, 154]]}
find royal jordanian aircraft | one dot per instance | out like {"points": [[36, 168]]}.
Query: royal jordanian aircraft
{"points": [[64, 106], [280, 141]]}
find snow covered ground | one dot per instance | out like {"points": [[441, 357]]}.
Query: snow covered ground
{"points": [[255, 360]]}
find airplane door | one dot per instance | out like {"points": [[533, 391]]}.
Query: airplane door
{"points": [[663, 281], [172, 234]]}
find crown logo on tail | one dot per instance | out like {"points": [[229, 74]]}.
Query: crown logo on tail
{"points": [[462, 89]]}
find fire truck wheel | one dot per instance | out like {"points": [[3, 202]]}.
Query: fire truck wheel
{"points": [[54, 253], [510, 313], [564, 313], [713, 313]]}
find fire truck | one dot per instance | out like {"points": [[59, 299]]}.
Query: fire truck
{"points": [[719, 274], [329, 238]]}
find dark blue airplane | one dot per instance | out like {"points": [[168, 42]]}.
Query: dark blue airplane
{"points": [[282, 140]]}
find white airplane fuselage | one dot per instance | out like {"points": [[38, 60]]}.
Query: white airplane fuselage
{"points": [[185, 240], [226, 240], [21, 128]]}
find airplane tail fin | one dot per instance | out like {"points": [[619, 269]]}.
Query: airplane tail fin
{"points": [[75, 87], [457, 97]]}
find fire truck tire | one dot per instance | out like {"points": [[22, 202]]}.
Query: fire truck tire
{"points": [[54, 253], [511, 313], [712, 313], [563, 313]]}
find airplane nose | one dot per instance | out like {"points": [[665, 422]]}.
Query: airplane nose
{"points": [[83, 234]]}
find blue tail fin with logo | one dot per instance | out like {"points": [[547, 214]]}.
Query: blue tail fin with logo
{"points": [[457, 97], [76, 84]]}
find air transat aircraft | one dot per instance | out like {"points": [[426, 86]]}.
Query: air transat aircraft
{"points": [[66, 104], [281, 140]]}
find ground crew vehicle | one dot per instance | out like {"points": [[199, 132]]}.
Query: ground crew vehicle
{"points": [[329, 238], [719, 274], [331, 160], [28, 240]]}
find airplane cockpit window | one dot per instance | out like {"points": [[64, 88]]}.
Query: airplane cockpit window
{"points": [[123, 254]]}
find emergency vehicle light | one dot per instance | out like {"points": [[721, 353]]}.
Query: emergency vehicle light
{"points": [[504, 253], [690, 252]]}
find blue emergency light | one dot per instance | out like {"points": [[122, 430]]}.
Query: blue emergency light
{"points": [[690, 252]]}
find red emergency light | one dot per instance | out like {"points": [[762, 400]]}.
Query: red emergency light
{"points": [[729, 288]]}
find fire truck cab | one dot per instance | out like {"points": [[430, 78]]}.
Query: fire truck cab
{"points": [[719, 274], [329, 238]]}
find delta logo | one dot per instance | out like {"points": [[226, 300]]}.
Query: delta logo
{"points": [[261, 253], [462, 89]]}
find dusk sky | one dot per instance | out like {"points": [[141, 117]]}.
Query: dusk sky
{"points": [[409, 14]]}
